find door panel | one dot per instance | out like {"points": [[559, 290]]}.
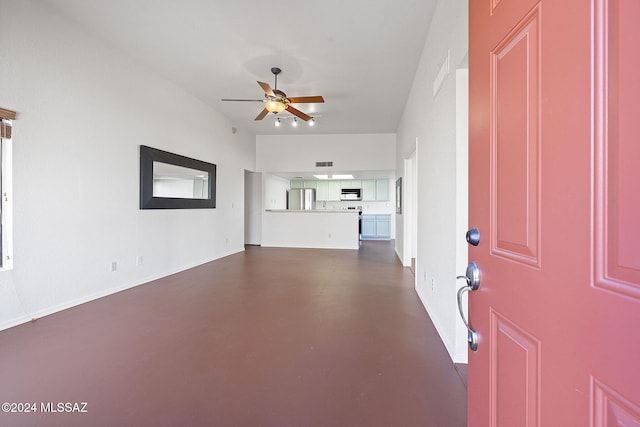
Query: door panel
{"points": [[514, 125], [617, 60], [612, 410], [553, 185], [515, 364]]}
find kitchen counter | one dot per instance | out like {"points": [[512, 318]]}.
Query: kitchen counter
{"points": [[313, 210], [330, 229]]}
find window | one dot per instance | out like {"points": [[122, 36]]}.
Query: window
{"points": [[6, 202]]}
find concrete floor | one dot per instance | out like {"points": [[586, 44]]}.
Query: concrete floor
{"points": [[268, 337]]}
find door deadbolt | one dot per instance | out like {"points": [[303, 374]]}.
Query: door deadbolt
{"points": [[473, 237]]}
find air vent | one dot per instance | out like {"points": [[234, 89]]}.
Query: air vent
{"points": [[324, 164]]}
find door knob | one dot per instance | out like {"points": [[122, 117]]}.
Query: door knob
{"points": [[472, 336], [473, 237], [472, 277]]}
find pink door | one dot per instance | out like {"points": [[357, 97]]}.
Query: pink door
{"points": [[554, 170]]}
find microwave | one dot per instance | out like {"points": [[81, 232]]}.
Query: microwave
{"points": [[351, 194]]}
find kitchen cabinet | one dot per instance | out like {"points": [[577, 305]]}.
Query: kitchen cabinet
{"points": [[376, 227], [383, 226], [368, 190], [298, 183], [352, 183], [325, 190], [372, 189], [382, 189], [368, 226], [334, 190], [322, 190]]}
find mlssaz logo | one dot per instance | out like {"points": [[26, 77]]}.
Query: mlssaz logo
{"points": [[63, 407]]}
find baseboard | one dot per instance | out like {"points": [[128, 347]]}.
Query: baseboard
{"points": [[82, 300], [437, 326]]}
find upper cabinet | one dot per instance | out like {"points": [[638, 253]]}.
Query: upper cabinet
{"points": [[352, 183], [298, 183], [334, 190], [322, 190], [382, 189], [372, 189], [375, 190], [368, 190]]}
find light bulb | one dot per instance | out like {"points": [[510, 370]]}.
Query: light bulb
{"points": [[275, 106], [295, 122], [312, 121], [277, 123]]}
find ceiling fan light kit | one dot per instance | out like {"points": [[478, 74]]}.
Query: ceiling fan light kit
{"points": [[294, 121], [276, 101], [275, 106]]}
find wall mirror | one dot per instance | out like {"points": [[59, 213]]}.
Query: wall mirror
{"points": [[172, 181]]}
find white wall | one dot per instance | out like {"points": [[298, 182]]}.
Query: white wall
{"points": [[252, 208], [310, 229], [274, 191], [349, 152], [83, 110], [432, 121]]}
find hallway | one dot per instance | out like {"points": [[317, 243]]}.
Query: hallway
{"points": [[268, 337]]}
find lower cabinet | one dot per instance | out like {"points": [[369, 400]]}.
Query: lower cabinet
{"points": [[376, 227]]}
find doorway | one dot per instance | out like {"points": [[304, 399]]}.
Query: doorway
{"points": [[252, 208]]}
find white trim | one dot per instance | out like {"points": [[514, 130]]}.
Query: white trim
{"points": [[68, 304], [7, 204]]}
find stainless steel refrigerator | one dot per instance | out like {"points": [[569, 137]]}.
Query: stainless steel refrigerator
{"points": [[301, 198]]}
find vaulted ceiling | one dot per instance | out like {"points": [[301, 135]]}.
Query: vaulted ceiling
{"points": [[360, 55]]}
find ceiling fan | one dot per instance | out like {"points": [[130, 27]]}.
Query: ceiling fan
{"points": [[276, 101]]}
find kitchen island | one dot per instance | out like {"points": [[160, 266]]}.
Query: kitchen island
{"points": [[330, 229]]}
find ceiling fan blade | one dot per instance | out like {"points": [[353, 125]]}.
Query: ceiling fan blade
{"points": [[298, 113], [266, 88], [247, 100], [305, 99], [262, 114]]}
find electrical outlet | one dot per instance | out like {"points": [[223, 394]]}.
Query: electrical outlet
{"points": [[114, 266], [139, 260], [433, 285], [329, 235], [425, 276]]}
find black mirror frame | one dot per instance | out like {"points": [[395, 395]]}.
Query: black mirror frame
{"points": [[148, 155]]}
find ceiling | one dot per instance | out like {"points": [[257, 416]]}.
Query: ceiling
{"points": [[360, 55]]}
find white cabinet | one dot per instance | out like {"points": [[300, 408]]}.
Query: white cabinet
{"points": [[352, 183], [325, 190], [382, 189], [376, 227], [375, 190], [368, 190], [368, 226], [298, 183], [322, 190], [334, 190], [383, 226], [372, 189]]}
